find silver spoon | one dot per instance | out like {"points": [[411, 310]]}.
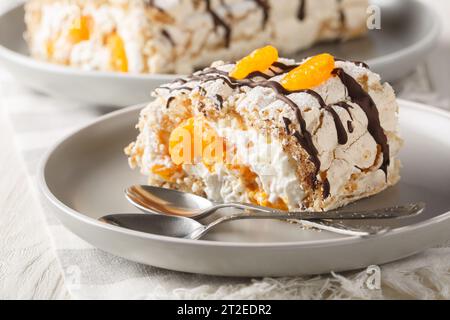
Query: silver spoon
{"points": [[182, 227], [176, 203]]}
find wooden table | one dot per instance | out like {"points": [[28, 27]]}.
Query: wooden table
{"points": [[28, 265]]}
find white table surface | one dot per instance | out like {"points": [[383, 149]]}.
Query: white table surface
{"points": [[28, 266]]}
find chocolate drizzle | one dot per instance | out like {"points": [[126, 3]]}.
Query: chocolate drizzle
{"points": [[345, 106], [342, 17], [219, 99], [326, 188], [301, 10], [350, 126], [180, 80], [284, 67], [257, 74], [151, 3], [167, 35], [365, 101], [265, 7], [341, 132], [279, 65], [169, 101], [219, 22], [185, 88], [287, 125]]}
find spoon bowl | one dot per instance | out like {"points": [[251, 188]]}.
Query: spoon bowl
{"points": [[160, 200], [186, 228], [170, 226]]}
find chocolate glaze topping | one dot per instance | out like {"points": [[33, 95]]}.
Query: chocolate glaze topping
{"points": [[185, 88], [326, 188], [259, 74], [284, 67], [167, 35], [219, 22], [365, 101], [278, 65], [350, 126], [287, 125], [151, 3], [305, 139], [301, 10], [219, 99], [341, 132], [345, 106], [265, 7], [342, 17], [169, 101]]}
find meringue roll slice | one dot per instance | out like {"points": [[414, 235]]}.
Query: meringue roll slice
{"points": [[311, 135]]}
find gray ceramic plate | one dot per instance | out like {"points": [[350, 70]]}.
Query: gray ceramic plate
{"points": [[84, 176], [393, 52]]}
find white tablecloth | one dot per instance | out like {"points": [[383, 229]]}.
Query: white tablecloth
{"points": [[41, 259]]}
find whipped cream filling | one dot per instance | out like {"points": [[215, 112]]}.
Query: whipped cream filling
{"points": [[264, 156]]}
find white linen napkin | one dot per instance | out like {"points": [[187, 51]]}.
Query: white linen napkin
{"points": [[39, 121]]}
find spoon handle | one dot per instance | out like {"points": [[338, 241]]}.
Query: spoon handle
{"points": [[257, 212], [385, 213]]}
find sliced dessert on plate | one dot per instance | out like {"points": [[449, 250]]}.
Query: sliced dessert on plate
{"points": [[176, 36], [313, 135]]}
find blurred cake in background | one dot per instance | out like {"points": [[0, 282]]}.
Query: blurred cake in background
{"points": [[177, 36]]}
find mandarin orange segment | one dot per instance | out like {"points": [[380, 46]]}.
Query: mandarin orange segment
{"points": [[279, 205], [261, 198], [168, 174], [50, 46], [163, 137], [249, 176], [259, 60], [119, 60], [81, 29], [310, 74]]}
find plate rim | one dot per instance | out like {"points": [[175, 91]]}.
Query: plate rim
{"points": [[345, 240], [426, 42], [423, 44]]}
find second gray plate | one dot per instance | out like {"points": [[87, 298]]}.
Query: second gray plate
{"points": [[393, 51]]}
